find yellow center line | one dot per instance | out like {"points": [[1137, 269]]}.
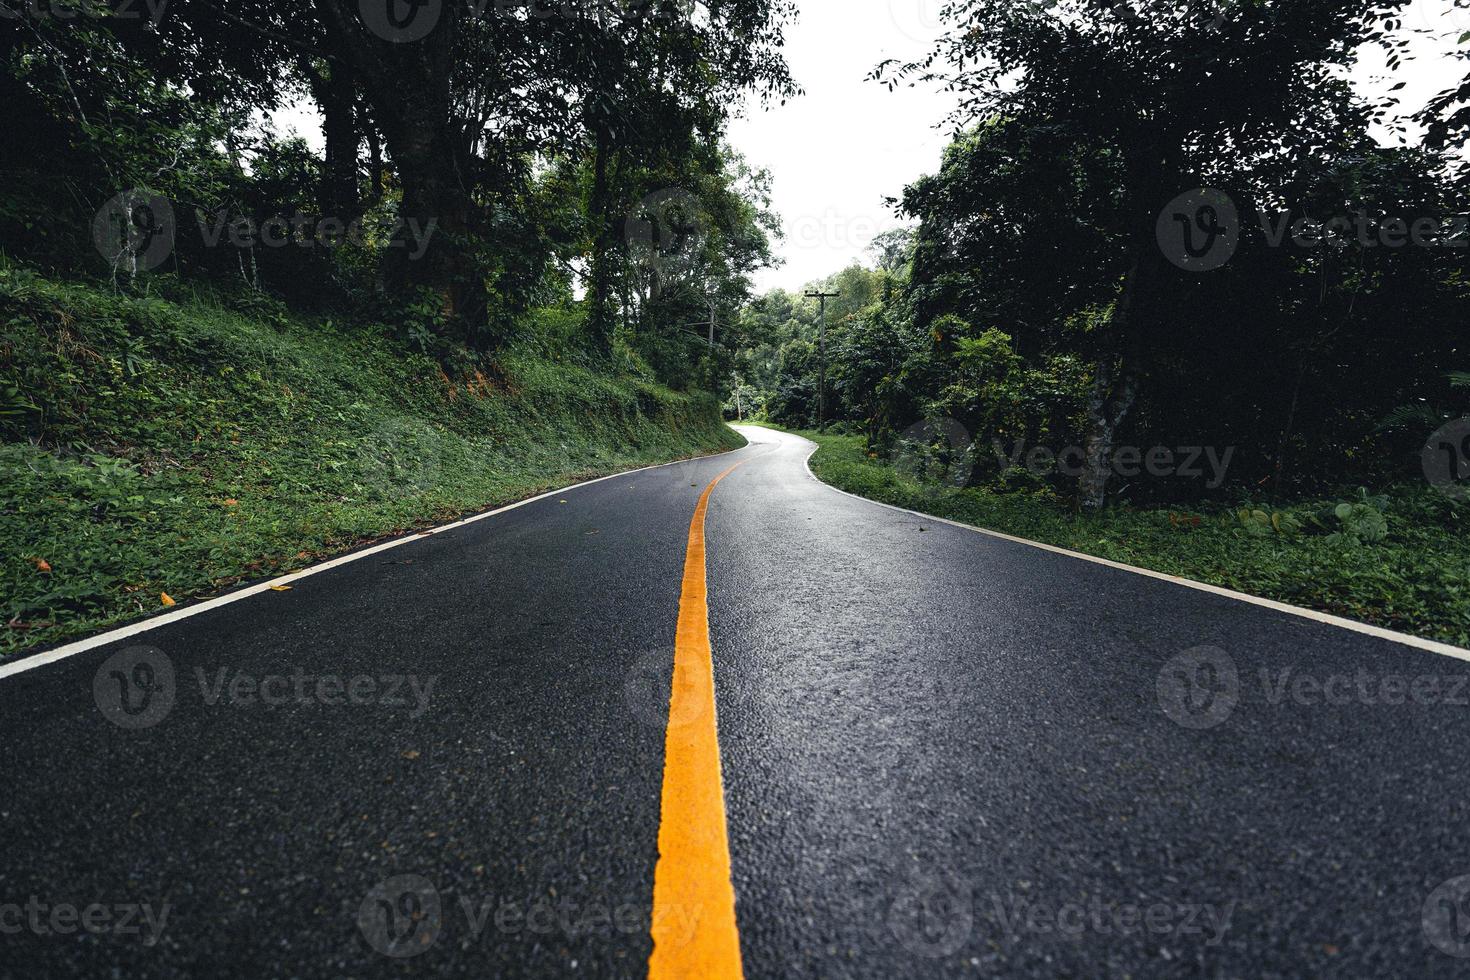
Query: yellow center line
{"points": [[694, 931]]}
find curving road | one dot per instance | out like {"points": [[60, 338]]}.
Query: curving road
{"points": [[939, 753]]}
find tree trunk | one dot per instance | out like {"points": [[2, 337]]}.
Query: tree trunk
{"points": [[341, 197], [1114, 390], [599, 320], [1278, 476], [1153, 169], [1107, 408], [375, 157], [335, 95], [431, 250], [408, 88]]}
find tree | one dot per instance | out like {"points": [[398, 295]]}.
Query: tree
{"points": [[1173, 96]]}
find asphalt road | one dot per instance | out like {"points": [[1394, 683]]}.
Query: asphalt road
{"points": [[943, 754]]}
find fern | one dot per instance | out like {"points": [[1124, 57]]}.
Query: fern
{"points": [[1420, 416]]}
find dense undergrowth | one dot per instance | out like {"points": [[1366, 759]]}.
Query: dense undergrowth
{"points": [[1398, 559], [156, 450]]}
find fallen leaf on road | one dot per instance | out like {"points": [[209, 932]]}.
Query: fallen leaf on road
{"points": [[166, 599], [411, 754], [280, 588]]}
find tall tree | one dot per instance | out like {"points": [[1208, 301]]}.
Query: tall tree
{"points": [[1176, 92]]}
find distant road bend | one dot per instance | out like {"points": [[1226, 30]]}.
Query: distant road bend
{"points": [[894, 748]]}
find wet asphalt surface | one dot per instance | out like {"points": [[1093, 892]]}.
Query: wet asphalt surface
{"points": [[944, 755]]}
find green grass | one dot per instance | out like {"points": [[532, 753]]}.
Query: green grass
{"points": [[154, 447], [1415, 580]]}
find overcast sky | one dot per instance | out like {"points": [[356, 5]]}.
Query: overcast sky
{"points": [[837, 151]]}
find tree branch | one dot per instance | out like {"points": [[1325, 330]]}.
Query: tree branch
{"points": [[266, 32]]}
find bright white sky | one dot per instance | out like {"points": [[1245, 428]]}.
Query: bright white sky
{"points": [[837, 151]]}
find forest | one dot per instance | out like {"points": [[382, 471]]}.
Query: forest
{"points": [[1173, 266], [479, 160], [1159, 226], [277, 280], [871, 489]]}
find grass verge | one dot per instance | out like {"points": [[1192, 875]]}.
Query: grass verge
{"points": [[158, 451], [1407, 569]]}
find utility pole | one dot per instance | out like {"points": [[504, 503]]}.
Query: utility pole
{"points": [[822, 357], [712, 323]]}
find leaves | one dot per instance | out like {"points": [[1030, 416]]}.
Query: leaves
{"points": [[146, 516], [1363, 521], [1415, 579], [1266, 523]]}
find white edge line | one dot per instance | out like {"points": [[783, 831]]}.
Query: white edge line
{"points": [[1432, 646], [164, 619]]}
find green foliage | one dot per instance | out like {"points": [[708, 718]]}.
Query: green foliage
{"points": [[886, 374], [1439, 404], [1362, 521], [1036, 299], [158, 447], [1260, 523], [506, 156], [1343, 557]]}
